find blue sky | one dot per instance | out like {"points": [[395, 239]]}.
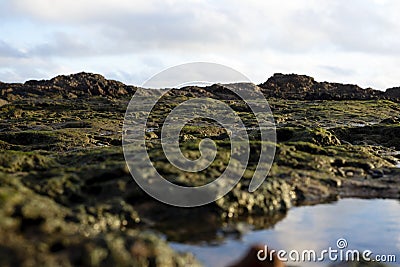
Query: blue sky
{"points": [[344, 41]]}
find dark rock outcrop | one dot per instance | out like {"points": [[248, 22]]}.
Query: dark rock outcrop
{"points": [[293, 86], [393, 93], [285, 86], [67, 86]]}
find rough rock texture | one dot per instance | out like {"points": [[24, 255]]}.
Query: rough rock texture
{"points": [[285, 86], [302, 87], [67, 198], [67, 86], [393, 93]]}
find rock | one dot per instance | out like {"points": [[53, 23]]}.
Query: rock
{"points": [[285, 86], [78, 202], [151, 135], [383, 134], [318, 136], [68, 86], [292, 86], [376, 173], [393, 93], [3, 102], [390, 121]]}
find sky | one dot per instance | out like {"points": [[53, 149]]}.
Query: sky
{"points": [[345, 41]]}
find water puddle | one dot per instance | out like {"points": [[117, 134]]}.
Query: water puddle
{"points": [[362, 124], [364, 224], [101, 144], [356, 124], [151, 129], [106, 133]]}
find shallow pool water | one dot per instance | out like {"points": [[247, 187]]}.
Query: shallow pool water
{"points": [[364, 224]]}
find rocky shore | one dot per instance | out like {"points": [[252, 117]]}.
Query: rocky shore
{"points": [[67, 197]]}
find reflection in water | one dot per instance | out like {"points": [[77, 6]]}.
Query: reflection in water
{"points": [[204, 228], [365, 224]]}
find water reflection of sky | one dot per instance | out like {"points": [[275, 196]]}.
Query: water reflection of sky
{"points": [[365, 224]]}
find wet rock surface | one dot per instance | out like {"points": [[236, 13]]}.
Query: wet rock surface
{"points": [[67, 198]]}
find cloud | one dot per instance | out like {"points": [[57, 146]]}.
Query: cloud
{"points": [[294, 26], [63, 45], [356, 26], [338, 70], [362, 27], [24, 68], [96, 11], [7, 51], [258, 37]]}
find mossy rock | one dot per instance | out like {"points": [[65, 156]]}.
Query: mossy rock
{"points": [[318, 136], [380, 134], [308, 147], [14, 161], [29, 137], [272, 196]]}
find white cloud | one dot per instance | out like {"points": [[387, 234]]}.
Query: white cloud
{"points": [[353, 41], [7, 51]]}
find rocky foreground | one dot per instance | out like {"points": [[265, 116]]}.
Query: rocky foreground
{"points": [[67, 198]]}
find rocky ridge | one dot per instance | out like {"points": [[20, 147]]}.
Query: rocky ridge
{"points": [[285, 86], [302, 87], [67, 86]]}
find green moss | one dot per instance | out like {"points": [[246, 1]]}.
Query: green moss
{"points": [[76, 197], [318, 136], [308, 147], [13, 161], [380, 134], [28, 137]]}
